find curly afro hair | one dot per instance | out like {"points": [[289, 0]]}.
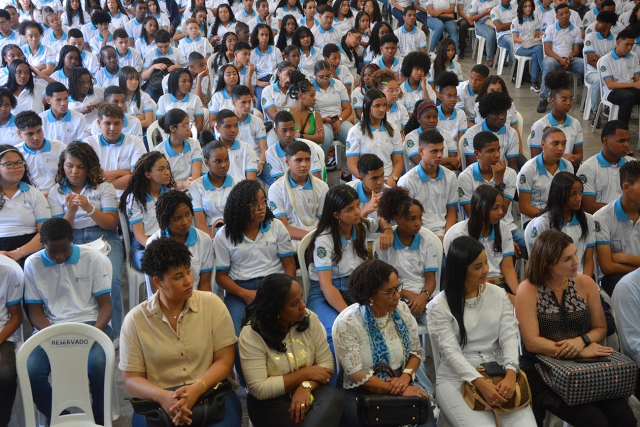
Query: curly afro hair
{"points": [[368, 278]]}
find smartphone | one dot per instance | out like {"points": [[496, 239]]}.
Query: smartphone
{"points": [[335, 117], [594, 360], [493, 369]]}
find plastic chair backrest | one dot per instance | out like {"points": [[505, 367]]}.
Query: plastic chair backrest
{"points": [[124, 226], [150, 134], [408, 164], [463, 159], [599, 79], [6, 261], [527, 236], [526, 150], [304, 271], [520, 124], [67, 346]]}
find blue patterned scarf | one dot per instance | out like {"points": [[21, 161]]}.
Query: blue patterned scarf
{"points": [[379, 349]]}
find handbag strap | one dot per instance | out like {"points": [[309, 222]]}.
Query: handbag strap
{"points": [[384, 369], [479, 397]]}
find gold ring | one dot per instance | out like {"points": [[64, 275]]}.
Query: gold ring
{"points": [[505, 393], [302, 405]]}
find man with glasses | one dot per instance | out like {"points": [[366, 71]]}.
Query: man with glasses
{"points": [[7, 34]]}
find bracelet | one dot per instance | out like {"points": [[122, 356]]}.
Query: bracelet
{"points": [[513, 365], [92, 211], [23, 255], [428, 293], [203, 384]]}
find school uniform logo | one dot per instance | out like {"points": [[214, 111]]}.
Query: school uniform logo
{"points": [[598, 229], [321, 252], [588, 43], [533, 134], [534, 232], [273, 206], [523, 179], [465, 143], [348, 145], [603, 68], [460, 192], [410, 143], [583, 179]]}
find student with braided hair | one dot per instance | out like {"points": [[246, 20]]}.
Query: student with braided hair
{"points": [[307, 121]]}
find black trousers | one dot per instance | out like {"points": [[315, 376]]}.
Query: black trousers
{"points": [[609, 283], [463, 32], [14, 242], [326, 410], [626, 99], [8, 381], [606, 413]]}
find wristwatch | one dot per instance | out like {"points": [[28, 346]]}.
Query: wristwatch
{"points": [[411, 373], [307, 385], [500, 187], [424, 291], [586, 340], [395, 178]]}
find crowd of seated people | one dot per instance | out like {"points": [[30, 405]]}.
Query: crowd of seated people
{"points": [[103, 127]]}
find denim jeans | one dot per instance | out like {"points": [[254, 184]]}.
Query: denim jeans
{"points": [[537, 55], [39, 369], [342, 135], [8, 380], [438, 28], [116, 256], [550, 64], [506, 42], [489, 34], [423, 17], [137, 251], [237, 308], [592, 79], [232, 414], [258, 94], [518, 237], [398, 15]]}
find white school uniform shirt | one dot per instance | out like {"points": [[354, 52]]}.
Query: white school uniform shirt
{"points": [[454, 67], [410, 41], [4, 76], [23, 211], [72, 287], [614, 228], [133, 28], [34, 15], [467, 100], [244, 79], [254, 258], [119, 20], [147, 216], [571, 229], [507, 136], [590, 17], [131, 126], [243, 16], [571, 128], [276, 161], [562, 40], [201, 45], [43, 56], [503, 15], [512, 116], [13, 38], [595, 43], [343, 26], [454, 124], [272, 96], [52, 42], [623, 20], [411, 142], [124, 154], [11, 291], [72, 127], [283, 11], [90, 118], [308, 62], [30, 100], [75, 20], [89, 31], [549, 20], [397, 115], [356, 184], [252, 131], [621, 69], [190, 104], [324, 37], [479, 6], [96, 43], [43, 164], [180, 163], [220, 101], [146, 105], [349, 64], [471, 178], [242, 159], [345, 76], [9, 135], [253, 22], [61, 77], [266, 63], [410, 96], [53, 4], [357, 97], [615, 29], [144, 48], [525, 31], [209, 199], [201, 249], [438, 4], [493, 258], [541, 14], [324, 249], [536, 180], [436, 195], [308, 203], [105, 79], [329, 101], [381, 144], [600, 178], [90, 62], [175, 55], [395, 66], [132, 58], [103, 198]]}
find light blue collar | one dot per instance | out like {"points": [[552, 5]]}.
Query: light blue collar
{"points": [[600, 37], [441, 115], [99, 37], [492, 235], [174, 99], [126, 55], [616, 56], [52, 118], [235, 145], [397, 244], [108, 74], [408, 88], [192, 236], [269, 50], [471, 92], [73, 258], [171, 152], [206, 182], [148, 197], [501, 131], [570, 27], [543, 170], [160, 55], [188, 40], [381, 62], [423, 175], [605, 164], [53, 38], [40, 51], [107, 143], [394, 107], [382, 128], [46, 147], [12, 123], [225, 94], [322, 30], [554, 122], [405, 31], [307, 185], [246, 15], [477, 175], [620, 214], [343, 241], [574, 220], [279, 150], [505, 8]]}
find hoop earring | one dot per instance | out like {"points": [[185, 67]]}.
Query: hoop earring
{"points": [[370, 303]]}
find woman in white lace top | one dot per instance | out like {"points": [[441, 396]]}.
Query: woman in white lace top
{"points": [[378, 329], [472, 322]]}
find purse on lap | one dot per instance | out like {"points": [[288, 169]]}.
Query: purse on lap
{"points": [[208, 409], [579, 383]]}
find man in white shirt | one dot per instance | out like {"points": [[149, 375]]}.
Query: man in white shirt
{"points": [[61, 123], [468, 92], [325, 33], [65, 283], [501, 16]]}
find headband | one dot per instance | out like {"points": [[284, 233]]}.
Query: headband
{"points": [[425, 106], [7, 151]]}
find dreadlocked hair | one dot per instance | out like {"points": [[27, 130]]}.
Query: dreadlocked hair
{"points": [[86, 154], [167, 204], [138, 186], [396, 202], [237, 212], [26, 177], [75, 82], [298, 84]]}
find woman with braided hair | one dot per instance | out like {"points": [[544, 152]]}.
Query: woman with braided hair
{"points": [[306, 119], [150, 177]]}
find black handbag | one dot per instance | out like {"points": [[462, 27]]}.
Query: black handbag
{"points": [[391, 411], [208, 409]]}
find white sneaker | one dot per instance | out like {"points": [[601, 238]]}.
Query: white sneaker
{"points": [[116, 342]]}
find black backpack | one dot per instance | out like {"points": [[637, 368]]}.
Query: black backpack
{"points": [[153, 86]]}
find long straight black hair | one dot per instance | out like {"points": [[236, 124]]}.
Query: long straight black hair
{"points": [[482, 201], [559, 194], [462, 252], [369, 97], [12, 84]]}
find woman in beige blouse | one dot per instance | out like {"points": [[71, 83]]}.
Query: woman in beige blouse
{"points": [[286, 360], [180, 336]]}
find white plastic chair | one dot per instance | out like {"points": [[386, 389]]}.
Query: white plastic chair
{"points": [[304, 271], [585, 105], [69, 383], [526, 149], [134, 277], [503, 54], [527, 236], [551, 420], [463, 159], [520, 124], [479, 48], [613, 108], [522, 62], [150, 131]]}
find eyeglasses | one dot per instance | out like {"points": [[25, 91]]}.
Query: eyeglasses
{"points": [[390, 293], [327, 77], [567, 100], [258, 204], [13, 165]]}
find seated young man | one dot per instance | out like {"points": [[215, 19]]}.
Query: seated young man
{"points": [[251, 128], [617, 235], [600, 174], [66, 283], [562, 43], [370, 184], [89, 60], [501, 16], [434, 186], [243, 163], [127, 56], [118, 152], [626, 304], [620, 72], [131, 125], [276, 156], [162, 39], [61, 123], [410, 37], [325, 33], [41, 154], [298, 198], [468, 91]]}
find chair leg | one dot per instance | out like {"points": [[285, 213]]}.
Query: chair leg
{"points": [[501, 60], [480, 50], [597, 116], [586, 105]]}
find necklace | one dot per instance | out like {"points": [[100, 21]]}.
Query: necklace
{"points": [[561, 288], [475, 302], [387, 322]]}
